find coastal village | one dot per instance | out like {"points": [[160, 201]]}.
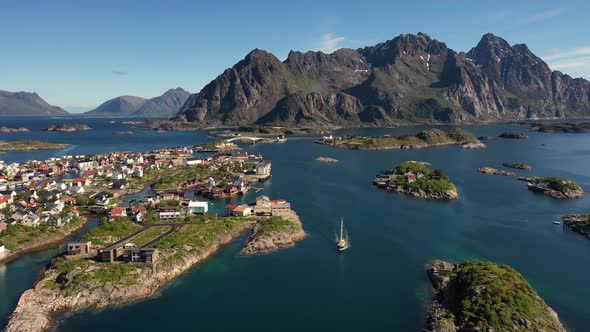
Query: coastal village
{"points": [[43, 198]]}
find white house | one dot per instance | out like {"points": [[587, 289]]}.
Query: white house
{"points": [[2, 250], [169, 213], [263, 168], [197, 207]]}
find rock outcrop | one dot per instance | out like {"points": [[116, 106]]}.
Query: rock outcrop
{"points": [[13, 130], [409, 79], [554, 187], [514, 135], [68, 127], [522, 166], [262, 241], [579, 223], [494, 171], [479, 296], [580, 127]]}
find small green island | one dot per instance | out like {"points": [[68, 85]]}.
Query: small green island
{"points": [[518, 165], [554, 187], [6, 146], [514, 135], [483, 296], [417, 180], [423, 139]]}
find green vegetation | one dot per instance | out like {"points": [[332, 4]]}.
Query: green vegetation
{"points": [[431, 137], [519, 165], [430, 180], [72, 274], [275, 225], [29, 145], [200, 235], [16, 237], [175, 180], [560, 184], [110, 231], [82, 199], [149, 235], [497, 297]]}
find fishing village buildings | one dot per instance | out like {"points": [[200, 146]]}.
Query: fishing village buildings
{"points": [[54, 191]]}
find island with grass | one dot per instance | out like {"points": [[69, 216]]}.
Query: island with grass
{"points": [[579, 223], [423, 139], [483, 296], [514, 135], [554, 187], [519, 165], [7, 146], [567, 127], [68, 127], [417, 180], [125, 261]]}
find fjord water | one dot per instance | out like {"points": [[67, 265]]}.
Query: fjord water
{"points": [[379, 284]]}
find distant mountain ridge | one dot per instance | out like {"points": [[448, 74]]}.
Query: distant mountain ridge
{"points": [[22, 103], [167, 104], [409, 79]]}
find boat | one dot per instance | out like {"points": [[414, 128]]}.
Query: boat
{"points": [[557, 222], [342, 243]]}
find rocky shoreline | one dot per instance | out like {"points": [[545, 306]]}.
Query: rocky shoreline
{"points": [[29, 146], [579, 223], [274, 241], [326, 160], [68, 127], [13, 130], [455, 284], [521, 166], [554, 187], [564, 127], [426, 194], [514, 135], [38, 307], [494, 171]]}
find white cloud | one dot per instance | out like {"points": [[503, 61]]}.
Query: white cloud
{"points": [[568, 65], [330, 43], [541, 16], [120, 72], [571, 53]]}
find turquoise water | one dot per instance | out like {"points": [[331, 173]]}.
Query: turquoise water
{"points": [[379, 284]]}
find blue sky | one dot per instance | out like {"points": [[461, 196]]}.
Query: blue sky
{"points": [[78, 53]]}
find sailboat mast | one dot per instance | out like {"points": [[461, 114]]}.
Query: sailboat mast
{"points": [[341, 228]]}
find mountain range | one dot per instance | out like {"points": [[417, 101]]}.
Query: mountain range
{"points": [[27, 104], [409, 79], [167, 104]]}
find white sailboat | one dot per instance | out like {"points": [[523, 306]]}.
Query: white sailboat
{"points": [[342, 243]]}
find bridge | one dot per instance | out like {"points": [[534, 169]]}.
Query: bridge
{"points": [[245, 138]]}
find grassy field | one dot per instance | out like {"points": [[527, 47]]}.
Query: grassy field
{"points": [[18, 236], [110, 231], [431, 137], [149, 235], [275, 225]]}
